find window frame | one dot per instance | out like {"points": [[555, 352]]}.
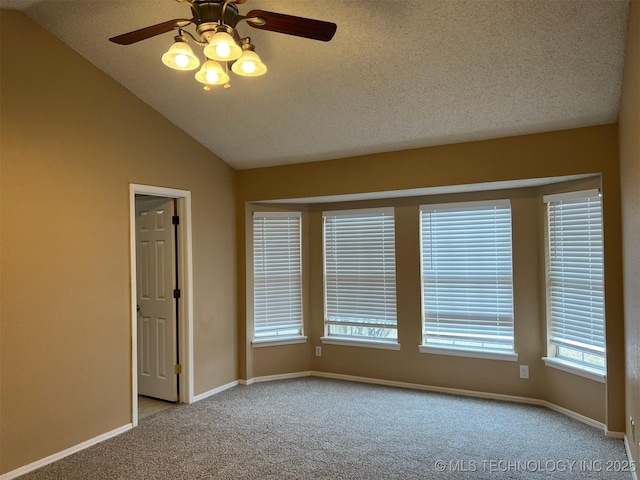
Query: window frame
{"points": [[360, 341], [554, 359], [461, 350], [284, 339]]}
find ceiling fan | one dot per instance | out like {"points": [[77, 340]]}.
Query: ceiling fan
{"points": [[215, 22]]}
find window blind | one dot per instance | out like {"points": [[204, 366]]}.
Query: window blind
{"points": [[277, 274], [575, 276], [467, 281], [360, 274]]}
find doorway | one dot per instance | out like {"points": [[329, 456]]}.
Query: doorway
{"points": [[162, 304], [158, 297]]}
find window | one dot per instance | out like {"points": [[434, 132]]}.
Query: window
{"points": [[575, 285], [360, 275], [277, 275], [467, 280]]}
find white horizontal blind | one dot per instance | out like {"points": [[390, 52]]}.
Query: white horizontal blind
{"points": [[277, 274], [360, 274], [575, 278], [467, 276]]}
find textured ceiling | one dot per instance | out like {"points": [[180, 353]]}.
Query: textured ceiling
{"points": [[397, 75]]}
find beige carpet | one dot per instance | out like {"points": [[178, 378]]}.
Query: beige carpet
{"points": [[313, 428]]}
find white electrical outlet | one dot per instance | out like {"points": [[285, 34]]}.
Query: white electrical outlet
{"points": [[318, 351], [524, 371]]}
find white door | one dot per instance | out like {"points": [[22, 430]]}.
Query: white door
{"points": [[156, 267]]}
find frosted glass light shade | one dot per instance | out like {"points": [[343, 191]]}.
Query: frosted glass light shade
{"points": [[212, 73], [180, 57], [223, 48], [249, 65]]}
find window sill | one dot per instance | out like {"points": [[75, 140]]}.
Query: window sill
{"points": [[574, 369], [509, 357], [272, 342], [349, 342]]}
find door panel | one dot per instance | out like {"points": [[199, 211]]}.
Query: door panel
{"points": [[155, 273], [144, 363]]}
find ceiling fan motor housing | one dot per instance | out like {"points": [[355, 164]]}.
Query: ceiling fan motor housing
{"points": [[210, 11], [208, 14]]}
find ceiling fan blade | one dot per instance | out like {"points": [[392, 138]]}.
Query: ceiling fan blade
{"points": [[290, 25], [148, 32]]}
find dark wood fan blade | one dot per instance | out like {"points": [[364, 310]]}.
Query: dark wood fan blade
{"points": [[148, 32], [298, 26]]}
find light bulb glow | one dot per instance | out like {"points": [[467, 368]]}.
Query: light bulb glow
{"points": [[212, 76], [180, 57], [212, 73], [249, 67], [222, 47], [181, 60], [223, 50], [249, 64]]}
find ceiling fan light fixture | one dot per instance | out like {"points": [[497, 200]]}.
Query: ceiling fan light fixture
{"points": [[249, 63], [215, 23], [222, 46], [180, 56], [212, 73]]}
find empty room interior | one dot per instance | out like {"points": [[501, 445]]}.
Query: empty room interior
{"points": [[501, 111]]}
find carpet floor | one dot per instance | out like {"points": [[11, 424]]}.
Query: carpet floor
{"points": [[315, 428]]}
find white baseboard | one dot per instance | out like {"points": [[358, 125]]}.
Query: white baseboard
{"points": [[100, 438], [471, 393], [634, 466], [282, 376], [268, 378], [580, 418], [219, 389], [271, 378], [65, 453]]}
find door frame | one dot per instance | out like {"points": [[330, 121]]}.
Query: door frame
{"points": [[185, 269]]}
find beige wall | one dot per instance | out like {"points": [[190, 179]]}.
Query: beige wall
{"points": [[72, 141], [630, 179], [282, 359], [579, 151]]}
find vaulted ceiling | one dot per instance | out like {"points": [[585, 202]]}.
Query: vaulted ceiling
{"points": [[397, 74]]}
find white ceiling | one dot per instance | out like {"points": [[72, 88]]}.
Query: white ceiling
{"points": [[398, 74]]}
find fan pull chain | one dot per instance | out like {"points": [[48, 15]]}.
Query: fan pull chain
{"points": [[226, 67]]}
